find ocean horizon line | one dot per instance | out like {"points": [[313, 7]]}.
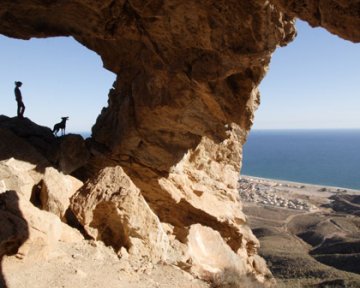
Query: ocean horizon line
{"points": [[323, 157]]}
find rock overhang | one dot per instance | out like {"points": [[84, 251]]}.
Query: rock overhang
{"points": [[185, 94]]}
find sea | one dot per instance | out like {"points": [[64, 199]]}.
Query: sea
{"points": [[322, 157]]}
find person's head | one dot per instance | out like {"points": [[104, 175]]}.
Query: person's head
{"points": [[18, 83]]}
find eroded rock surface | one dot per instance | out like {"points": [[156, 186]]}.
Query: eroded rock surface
{"points": [[27, 141], [56, 191], [211, 256], [28, 231], [29, 183], [112, 209], [185, 95], [340, 17]]}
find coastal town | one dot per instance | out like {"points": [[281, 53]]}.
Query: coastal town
{"points": [[274, 193]]}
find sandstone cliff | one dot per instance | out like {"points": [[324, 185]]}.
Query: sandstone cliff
{"points": [[181, 106]]}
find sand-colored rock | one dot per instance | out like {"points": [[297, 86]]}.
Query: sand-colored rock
{"points": [[185, 96], [112, 209], [27, 179], [202, 188], [56, 191], [14, 229], [212, 259], [20, 176], [49, 189], [44, 231], [28, 231]]}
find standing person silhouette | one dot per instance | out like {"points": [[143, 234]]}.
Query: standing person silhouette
{"points": [[18, 97]]}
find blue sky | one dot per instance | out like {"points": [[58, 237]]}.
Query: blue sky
{"points": [[60, 78], [312, 83]]}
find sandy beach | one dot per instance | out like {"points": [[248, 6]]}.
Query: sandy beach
{"points": [[309, 234]]}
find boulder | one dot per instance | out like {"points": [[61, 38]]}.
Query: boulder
{"points": [[20, 176], [72, 153], [50, 190], [38, 139], [56, 191], [28, 231], [212, 259], [13, 146], [112, 209], [25, 140], [14, 229]]}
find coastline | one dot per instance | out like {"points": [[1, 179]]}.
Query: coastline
{"points": [[290, 195], [308, 185]]}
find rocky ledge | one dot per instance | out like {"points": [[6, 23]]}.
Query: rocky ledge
{"points": [[45, 210]]}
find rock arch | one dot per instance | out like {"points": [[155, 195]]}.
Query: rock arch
{"points": [[185, 93]]}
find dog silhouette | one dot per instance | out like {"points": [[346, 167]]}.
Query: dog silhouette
{"points": [[60, 126]]}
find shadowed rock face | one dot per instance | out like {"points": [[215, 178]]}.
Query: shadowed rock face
{"points": [[185, 94]]}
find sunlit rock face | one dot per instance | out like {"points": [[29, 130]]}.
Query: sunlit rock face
{"points": [[185, 95]]}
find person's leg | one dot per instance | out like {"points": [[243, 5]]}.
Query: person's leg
{"points": [[18, 109], [22, 110]]}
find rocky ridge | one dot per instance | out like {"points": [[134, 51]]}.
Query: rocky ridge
{"points": [[46, 213]]}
